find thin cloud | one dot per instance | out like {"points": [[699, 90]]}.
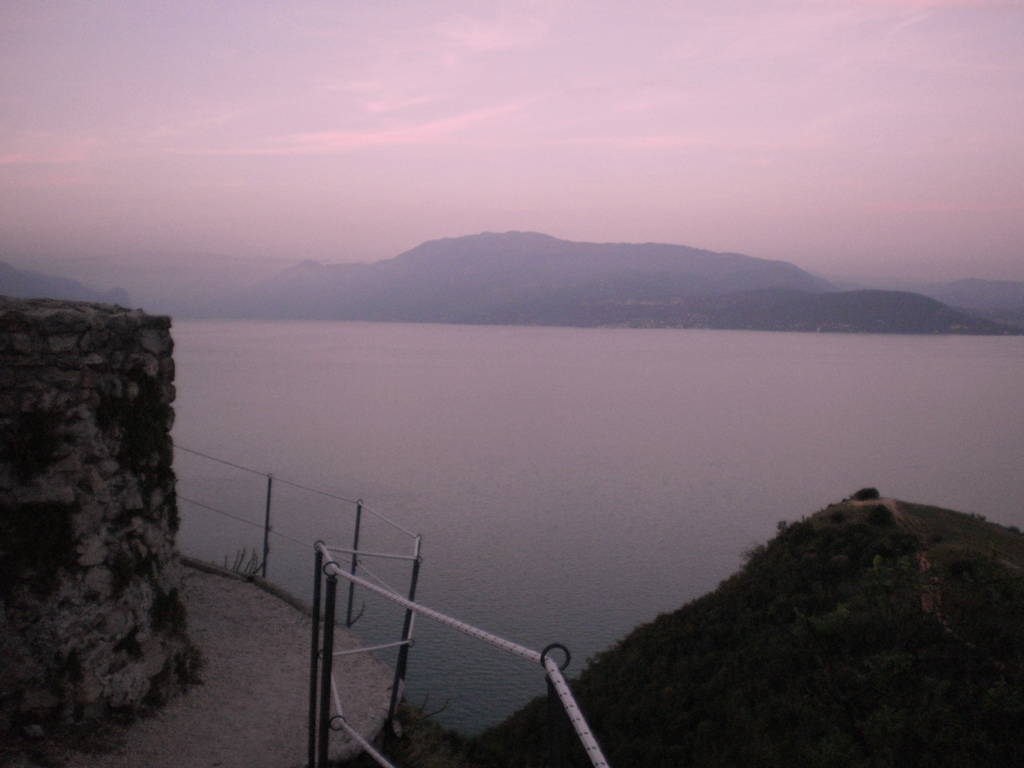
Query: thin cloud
{"points": [[177, 128], [903, 207], [332, 142], [933, 4], [487, 35], [662, 141], [47, 150], [397, 105]]}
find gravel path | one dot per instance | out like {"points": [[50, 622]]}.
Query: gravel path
{"points": [[252, 707]]}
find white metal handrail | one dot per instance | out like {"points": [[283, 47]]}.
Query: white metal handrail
{"points": [[579, 723]]}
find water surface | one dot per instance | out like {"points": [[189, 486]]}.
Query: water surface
{"points": [[572, 483]]}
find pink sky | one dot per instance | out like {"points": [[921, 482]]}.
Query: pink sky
{"points": [[853, 137]]}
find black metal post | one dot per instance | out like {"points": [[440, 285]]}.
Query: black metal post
{"points": [[327, 659], [314, 655], [266, 528], [355, 561], [403, 652]]}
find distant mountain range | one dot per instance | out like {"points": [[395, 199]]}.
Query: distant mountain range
{"points": [[1001, 300], [527, 278], [24, 284]]}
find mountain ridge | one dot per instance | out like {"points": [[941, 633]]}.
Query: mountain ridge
{"points": [[536, 279], [28, 284], [531, 278]]}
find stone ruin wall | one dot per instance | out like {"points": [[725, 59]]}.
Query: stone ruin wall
{"points": [[90, 613]]}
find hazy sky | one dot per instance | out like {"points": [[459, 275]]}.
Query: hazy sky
{"points": [[856, 137]]}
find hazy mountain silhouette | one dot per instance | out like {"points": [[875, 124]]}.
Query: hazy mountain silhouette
{"points": [[1001, 300], [491, 277], [531, 278], [30, 285]]}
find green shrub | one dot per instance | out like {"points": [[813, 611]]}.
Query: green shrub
{"points": [[866, 494], [880, 515]]}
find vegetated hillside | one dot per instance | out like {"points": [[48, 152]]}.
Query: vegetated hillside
{"points": [[526, 278], [24, 284], [490, 277], [776, 309], [855, 637]]}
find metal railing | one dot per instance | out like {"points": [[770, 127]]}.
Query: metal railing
{"points": [[324, 694], [269, 532], [321, 719]]}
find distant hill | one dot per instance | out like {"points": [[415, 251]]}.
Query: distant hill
{"points": [[24, 284], [863, 311], [874, 633], [527, 278], [491, 277], [1001, 300]]}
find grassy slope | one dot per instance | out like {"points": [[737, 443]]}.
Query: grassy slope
{"points": [[855, 637], [851, 639]]}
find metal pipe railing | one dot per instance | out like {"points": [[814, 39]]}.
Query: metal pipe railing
{"points": [[381, 760], [333, 569], [332, 566]]}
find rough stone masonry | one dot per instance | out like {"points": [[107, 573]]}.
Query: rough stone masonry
{"points": [[90, 612]]}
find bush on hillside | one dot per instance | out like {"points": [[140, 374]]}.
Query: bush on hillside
{"points": [[866, 494]]}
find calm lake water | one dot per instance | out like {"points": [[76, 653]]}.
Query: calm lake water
{"points": [[570, 484]]}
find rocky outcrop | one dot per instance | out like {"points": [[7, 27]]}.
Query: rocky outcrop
{"points": [[90, 613]]}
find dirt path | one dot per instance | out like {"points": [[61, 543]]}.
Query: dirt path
{"points": [[252, 707]]}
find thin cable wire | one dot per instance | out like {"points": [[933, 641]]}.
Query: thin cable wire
{"points": [[301, 487], [376, 578], [272, 531], [220, 512], [317, 491], [219, 461], [292, 539], [390, 522]]}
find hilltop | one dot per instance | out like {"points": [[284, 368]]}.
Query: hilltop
{"points": [[529, 278], [23, 283], [875, 632]]}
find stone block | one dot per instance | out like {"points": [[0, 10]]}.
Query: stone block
{"points": [[128, 686], [38, 700], [92, 551], [90, 689], [21, 343], [118, 622], [99, 581], [61, 344], [155, 341]]}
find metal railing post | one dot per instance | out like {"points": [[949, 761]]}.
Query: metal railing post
{"points": [[314, 655], [266, 527], [327, 657], [403, 652], [355, 548]]}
